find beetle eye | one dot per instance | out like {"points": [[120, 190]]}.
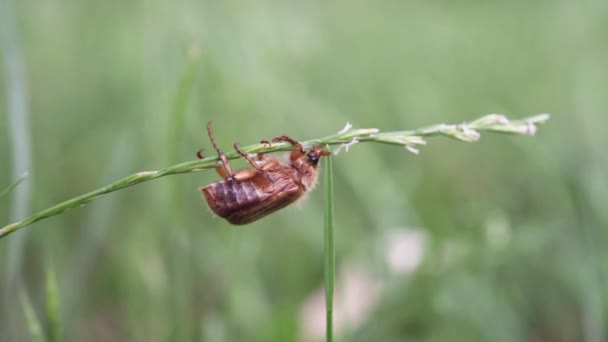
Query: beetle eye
{"points": [[313, 158]]}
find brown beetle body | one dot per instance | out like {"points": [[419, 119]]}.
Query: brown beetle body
{"points": [[250, 194]]}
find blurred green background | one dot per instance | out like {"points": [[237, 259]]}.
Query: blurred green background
{"points": [[502, 240]]}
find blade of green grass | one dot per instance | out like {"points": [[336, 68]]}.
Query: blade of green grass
{"points": [[180, 328], [330, 259], [52, 307], [33, 323], [180, 104], [11, 187]]}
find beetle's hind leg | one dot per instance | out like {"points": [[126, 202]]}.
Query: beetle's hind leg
{"points": [[247, 157], [220, 170], [226, 171]]}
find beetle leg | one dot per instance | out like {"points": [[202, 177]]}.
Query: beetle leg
{"points": [[244, 174], [266, 143], [282, 138], [294, 154], [199, 153], [227, 170], [317, 148], [269, 165], [220, 170], [247, 157]]}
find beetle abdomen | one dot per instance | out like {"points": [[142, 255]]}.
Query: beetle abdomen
{"points": [[242, 202], [227, 195]]}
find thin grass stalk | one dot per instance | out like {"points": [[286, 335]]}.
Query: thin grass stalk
{"points": [[412, 140], [330, 258], [52, 307], [33, 323], [176, 304]]}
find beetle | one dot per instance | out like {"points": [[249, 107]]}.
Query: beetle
{"points": [[248, 195]]}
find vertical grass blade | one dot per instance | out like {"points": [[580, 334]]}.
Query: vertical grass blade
{"points": [[33, 323], [177, 119], [180, 327], [52, 307], [330, 259]]}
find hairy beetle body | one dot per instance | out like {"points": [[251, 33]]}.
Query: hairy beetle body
{"points": [[250, 194]]}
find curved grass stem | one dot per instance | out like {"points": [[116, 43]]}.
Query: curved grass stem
{"points": [[411, 140]]}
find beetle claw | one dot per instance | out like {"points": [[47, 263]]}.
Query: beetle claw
{"points": [[199, 153]]}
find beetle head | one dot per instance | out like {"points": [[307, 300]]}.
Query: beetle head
{"points": [[315, 154]]}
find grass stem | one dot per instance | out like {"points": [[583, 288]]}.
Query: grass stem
{"points": [[330, 258], [411, 140]]}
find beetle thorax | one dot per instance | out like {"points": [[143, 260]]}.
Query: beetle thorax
{"points": [[307, 173]]}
